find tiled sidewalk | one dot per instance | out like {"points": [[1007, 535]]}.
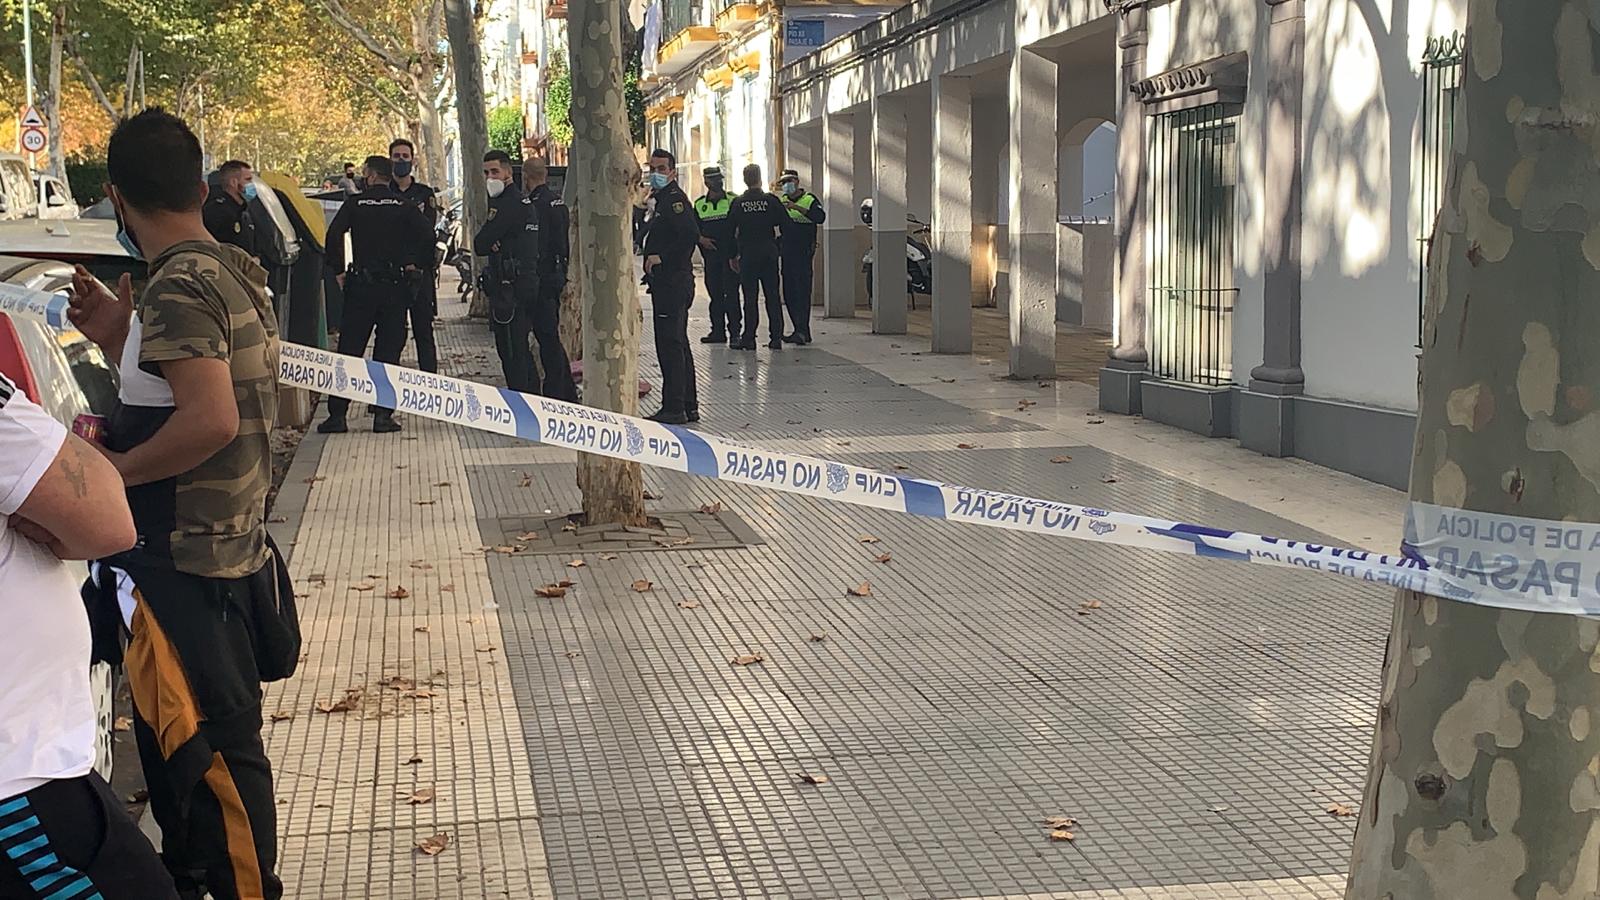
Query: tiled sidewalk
{"points": [[1196, 722]]}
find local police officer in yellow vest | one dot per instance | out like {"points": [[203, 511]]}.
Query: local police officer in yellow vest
{"points": [[798, 248], [717, 249]]}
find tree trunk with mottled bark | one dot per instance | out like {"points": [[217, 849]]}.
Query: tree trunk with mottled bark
{"points": [[52, 102], [602, 173], [572, 295], [1485, 774], [472, 116]]}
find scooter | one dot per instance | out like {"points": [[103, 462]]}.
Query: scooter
{"points": [[447, 247], [919, 258]]}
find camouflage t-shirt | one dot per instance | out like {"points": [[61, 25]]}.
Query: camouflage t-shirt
{"points": [[196, 308]]}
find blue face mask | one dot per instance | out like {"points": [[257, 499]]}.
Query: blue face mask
{"points": [[658, 180], [402, 168], [791, 189], [249, 191], [124, 238]]}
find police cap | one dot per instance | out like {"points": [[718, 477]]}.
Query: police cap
{"points": [[712, 172], [789, 175]]}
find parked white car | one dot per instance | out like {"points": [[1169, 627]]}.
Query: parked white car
{"points": [[25, 194]]}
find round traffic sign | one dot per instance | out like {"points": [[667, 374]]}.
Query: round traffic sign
{"points": [[33, 140]]}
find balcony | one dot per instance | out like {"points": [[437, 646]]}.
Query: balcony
{"points": [[555, 9], [736, 17], [686, 36]]}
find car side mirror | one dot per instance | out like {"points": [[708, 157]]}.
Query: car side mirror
{"points": [[56, 200]]}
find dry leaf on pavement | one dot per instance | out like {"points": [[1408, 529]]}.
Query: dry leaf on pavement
{"points": [[818, 638], [315, 478], [426, 502], [574, 654], [1340, 810], [551, 591], [433, 846], [566, 582], [688, 604], [1062, 834], [809, 778], [642, 585], [487, 648], [447, 588], [651, 495], [415, 758], [749, 659], [712, 509], [1109, 479], [419, 694], [528, 536], [282, 715], [123, 723], [363, 586], [576, 564], [527, 480], [351, 700], [421, 566], [1060, 822], [277, 520], [399, 593], [966, 446], [864, 589], [421, 629], [609, 556], [421, 796], [901, 467], [1060, 459], [868, 539], [441, 484], [884, 557], [1024, 404], [1097, 421], [1089, 606]]}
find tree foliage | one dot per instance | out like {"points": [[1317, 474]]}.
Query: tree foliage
{"points": [[558, 102], [505, 130]]}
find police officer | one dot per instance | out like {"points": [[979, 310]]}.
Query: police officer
{"points": [[227, 212], [425, 305], [500, 238], [717, 251], [799, 246], [393, 245], [756, 216], [549, 216], [669, 241]]}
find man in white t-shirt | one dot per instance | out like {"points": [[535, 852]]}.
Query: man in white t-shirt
{"points": [[63, 835]]}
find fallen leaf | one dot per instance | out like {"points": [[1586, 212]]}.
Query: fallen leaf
{"points": [[421, 796], [868, 539], [421, 566], [282, 715], [642, 585], [421, 629], [447, 588], [966, 446], [397, 467], [139, 796], [1024, 404], [277, 520], [503, 548], [399, 593], [414, 760], [1061, 834], [1060, 822], [1097, 421], [844, 443], [1340, 810], [809, 778], [441, 484], [398, 683], [883, 558], [1088, 606], [576, 564], [527, 481], [487, 648], [1109, 479], [711, 509], [418, 694], [122, 723], [374, 575], [749, 659], [551, 591], [569, 527], [574, 654], [528, 536], [688, 604], [818, 638], [948, 380], [433, 846], [864, 589], [315, 478], [609, 556], [363, 586], [1060, 459], [651, 495], [425, 502], [351, 700], [566, 583]]}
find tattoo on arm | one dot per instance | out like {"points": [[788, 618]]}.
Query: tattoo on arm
{"points": [[72, 469]]}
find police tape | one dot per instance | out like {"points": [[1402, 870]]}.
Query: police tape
{"points": [[1462, 555]]}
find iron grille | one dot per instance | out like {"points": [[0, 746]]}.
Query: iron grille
{"points": [[1194, 176], [1443, 61], [676, 15]]}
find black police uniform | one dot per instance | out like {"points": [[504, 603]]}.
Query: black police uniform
{"points": [[425, 305], [757, 216], [798, 248], [230, 222], [722, 285], [393, 247], [519, 279], [555, 248], [672, 234]]}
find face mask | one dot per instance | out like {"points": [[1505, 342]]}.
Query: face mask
{"points": [[402, 168], [496, 187], [791, 189], [249, 191], [124, 236], [658, 180]]}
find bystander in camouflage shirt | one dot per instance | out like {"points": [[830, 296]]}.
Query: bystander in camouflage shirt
{"points": [[197, 307]]}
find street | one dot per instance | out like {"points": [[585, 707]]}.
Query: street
{"points": [[775, 696]]}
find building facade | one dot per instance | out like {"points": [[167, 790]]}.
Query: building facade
{"points": [[1239, 191]]}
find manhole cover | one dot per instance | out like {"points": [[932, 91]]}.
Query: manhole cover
{"points": [[533, 535]]}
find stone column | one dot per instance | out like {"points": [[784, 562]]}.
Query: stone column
{"points": [[838, 192], [952, 215], [1121, 378], [1032, 216], [1266, 421], [888, 215]]}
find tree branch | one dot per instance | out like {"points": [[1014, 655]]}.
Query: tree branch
{"points": [[344, 20], [93, 82]]}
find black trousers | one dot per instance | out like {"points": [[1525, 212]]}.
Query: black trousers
{"points": [[191, 668], [71, 838], [671, 294], [761, 273], [372, 305], [797, 289], [424, 307], [722, 286]]}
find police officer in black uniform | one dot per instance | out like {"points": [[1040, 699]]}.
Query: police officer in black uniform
{"points": [[392, 244], [500, 238], [757, 215], [798, 249], [425, 305], [549, 214], [669, 241], [717, 252], [227, 211]]}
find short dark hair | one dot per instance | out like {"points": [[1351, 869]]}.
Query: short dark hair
{"points": [[379, 166], [349, 165], [402, 142], [752, 175], [153, 160], [672, 161], [498, 156], [232, 166]]}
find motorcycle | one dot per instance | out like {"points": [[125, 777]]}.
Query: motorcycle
{"points": [[919, 258], [448, 250]]}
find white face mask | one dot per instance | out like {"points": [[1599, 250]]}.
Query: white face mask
{"points": [[496, 187]]}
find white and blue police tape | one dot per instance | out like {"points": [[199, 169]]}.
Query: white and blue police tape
{"points": [[1473, 557]]}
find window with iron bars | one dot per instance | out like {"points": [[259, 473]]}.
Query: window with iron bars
{"points": [[1443, 61], [1193, 181]]}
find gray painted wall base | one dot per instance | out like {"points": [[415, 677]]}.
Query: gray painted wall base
{"points": [[1119, 390], [1265, 423], [1364, 441], [1205, 411]]}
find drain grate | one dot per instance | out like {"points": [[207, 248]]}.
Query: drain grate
{"points": [[534, 535]]}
